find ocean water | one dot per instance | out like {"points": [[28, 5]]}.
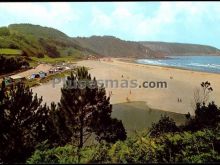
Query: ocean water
{"points": [[198, 63]]}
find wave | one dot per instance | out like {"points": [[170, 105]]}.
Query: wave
{"points": [[205, 65], [149, 62], [200, 63]]}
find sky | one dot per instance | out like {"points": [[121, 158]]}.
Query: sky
{"points": [[183, 22]]}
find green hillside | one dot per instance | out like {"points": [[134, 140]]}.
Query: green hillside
{"points": [[39, 41], [181, 48], [115, 47]]}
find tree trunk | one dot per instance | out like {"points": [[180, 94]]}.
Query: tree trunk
{"points": [[80, 138]]}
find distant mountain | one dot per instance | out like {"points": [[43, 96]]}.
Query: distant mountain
{"points": [[38, 41], [181, 49], [115, 47]]}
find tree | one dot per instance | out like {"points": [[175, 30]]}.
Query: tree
{"points": [[206, 115], [181, 147], [164, 125], [24, 122], [84, 110], [201, 95], [11, 64], [4, 31], [40, 55], [49, 48], [24, 53], [70, 52]]}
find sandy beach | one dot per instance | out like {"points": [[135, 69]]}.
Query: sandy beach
{"points": [[180, 83]]}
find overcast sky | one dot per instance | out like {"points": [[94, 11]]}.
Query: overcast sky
{"points": [[187, 22]]}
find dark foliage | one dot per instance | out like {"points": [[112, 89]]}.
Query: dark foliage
{"points": [[24, 122], [164, 125], [11, 64], [84, 110], [50, 49], [206, 116], [4, 31]]}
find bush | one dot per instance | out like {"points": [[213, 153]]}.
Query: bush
{"points": [[11, 64], [164, 125], [198, 147], [206, 116], [64, 155]]}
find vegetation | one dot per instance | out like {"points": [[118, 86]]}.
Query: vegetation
{"points": [[179, 49], [9, 65], [36, 82], [34, 60], [4, 31], [199, 147], [207, 115], [84, 110], [32, 132], [25, 123], [38, 41], [10, 52], [167, 143], [115, 47], [164, 125], [57, 75]]}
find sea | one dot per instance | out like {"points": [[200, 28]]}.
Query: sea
{"points": [[202, 63]]}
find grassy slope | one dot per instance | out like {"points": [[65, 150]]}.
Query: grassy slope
{"points": [[35, 40], [10, 51], [27, 37], [138, 116]]}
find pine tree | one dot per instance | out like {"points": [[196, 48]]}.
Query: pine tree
{"points": [[85, 111], [24, 122]]}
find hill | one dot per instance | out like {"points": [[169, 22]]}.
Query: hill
{"points": [[181, 48], [38, 41], [115, 47]]}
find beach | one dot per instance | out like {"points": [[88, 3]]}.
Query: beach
{"points": [[180, 84]]}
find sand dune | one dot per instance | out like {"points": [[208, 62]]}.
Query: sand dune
{"points": [[180, 83]]}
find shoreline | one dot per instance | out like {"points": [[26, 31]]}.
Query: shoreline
{"points": [[181, 83], [132, 61]]}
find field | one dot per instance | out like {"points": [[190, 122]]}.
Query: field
{"points": [[47, 59], [10, 52], [50, 60], [35, 61]]}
